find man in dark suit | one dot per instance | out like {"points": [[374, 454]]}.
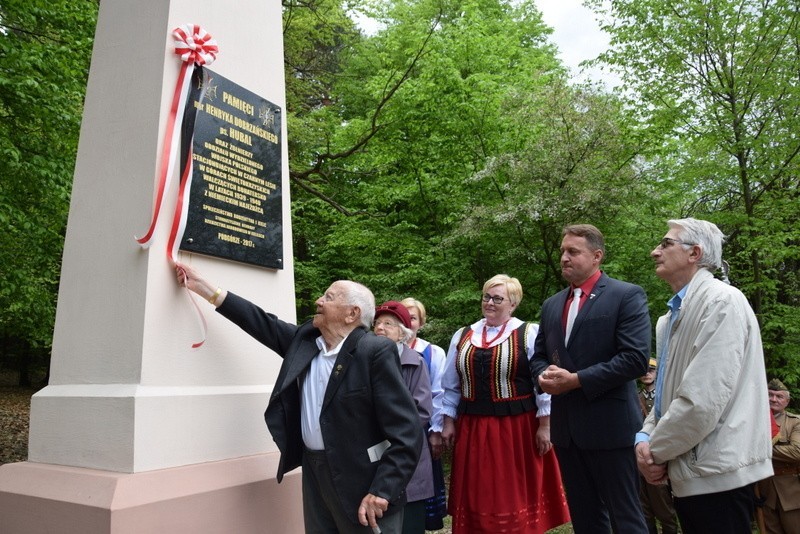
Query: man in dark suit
{"points": [[593, 343], [339, 408]]}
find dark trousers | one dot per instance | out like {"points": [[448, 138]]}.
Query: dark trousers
{"points": [[602, 489], [322, 509], [726, 512], [414, 518]]}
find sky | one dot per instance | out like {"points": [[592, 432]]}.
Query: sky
{"points": [[577, 35]]}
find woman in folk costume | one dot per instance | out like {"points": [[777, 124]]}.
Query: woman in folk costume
{"points": [[393, 321], [504, 476]]}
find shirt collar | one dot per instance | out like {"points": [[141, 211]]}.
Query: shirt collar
{"points": [[332, 352], [589, 284], [675, 302], [512, 324]]}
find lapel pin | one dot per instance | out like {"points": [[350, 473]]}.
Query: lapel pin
{"points": [[338, 370], [591, 296]]}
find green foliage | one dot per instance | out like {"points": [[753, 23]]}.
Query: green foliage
{"points": [[572, 165], [44, 59], [427, 92], [449, 146], [718, 81]]}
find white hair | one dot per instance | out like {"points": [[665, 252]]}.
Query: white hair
{"points": [[360, 295], [406, 333], [706, 235]]}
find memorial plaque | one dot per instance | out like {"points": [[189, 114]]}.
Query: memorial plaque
{"points": [[234, 209]]}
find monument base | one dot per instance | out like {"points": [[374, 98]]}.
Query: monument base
{"points": [[238, 495]]}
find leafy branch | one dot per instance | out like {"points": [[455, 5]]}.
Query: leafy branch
{"points": [[304, 178]]}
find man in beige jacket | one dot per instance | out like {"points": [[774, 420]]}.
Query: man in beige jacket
{"points": [[708, 433], [781, 493]]}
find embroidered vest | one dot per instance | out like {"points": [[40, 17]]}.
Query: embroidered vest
{"points": [[497, 380]]}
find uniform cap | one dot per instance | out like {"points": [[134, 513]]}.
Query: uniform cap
{"points": [[776, 385]]}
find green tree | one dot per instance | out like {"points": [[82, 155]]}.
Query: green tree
{"points": [[717, 81], [574, 162], [45, 48], [427, 93]]}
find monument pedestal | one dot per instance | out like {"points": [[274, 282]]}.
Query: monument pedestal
{"points": [[137, 432], [230, 496]]}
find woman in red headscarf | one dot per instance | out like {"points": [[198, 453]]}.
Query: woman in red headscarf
{"points": [[393, 321]]}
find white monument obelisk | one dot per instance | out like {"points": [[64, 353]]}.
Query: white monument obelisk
{"points": [[137, 432]]}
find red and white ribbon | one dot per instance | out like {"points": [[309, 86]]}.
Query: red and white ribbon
{"points": [[201, 319], [195, 46]]}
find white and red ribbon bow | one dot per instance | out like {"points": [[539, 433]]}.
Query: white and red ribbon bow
{"points": [[195, 46]]}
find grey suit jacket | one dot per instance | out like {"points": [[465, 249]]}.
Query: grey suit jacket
{"points": [[366, 402], [609, 348]]}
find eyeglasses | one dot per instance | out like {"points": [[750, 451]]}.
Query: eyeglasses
{"points": [[495, 299], [668, 242], [386, 324]]}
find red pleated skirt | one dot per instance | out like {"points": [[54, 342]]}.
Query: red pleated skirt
{"points": [[499, 483]]}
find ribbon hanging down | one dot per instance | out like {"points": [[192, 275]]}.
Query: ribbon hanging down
{"points": [[196, 48]]}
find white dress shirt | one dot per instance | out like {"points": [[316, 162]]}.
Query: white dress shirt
{"points": [[313, 387]]}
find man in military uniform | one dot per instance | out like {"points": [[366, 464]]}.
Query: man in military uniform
{"points": [[781, 493], [647, 392], [656, 499]]}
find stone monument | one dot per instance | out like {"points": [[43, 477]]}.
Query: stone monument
{"points": [[138, 432]]}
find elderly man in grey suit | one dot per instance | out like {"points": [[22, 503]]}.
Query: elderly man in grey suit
{"points": [[593, 343], [339, 408]]}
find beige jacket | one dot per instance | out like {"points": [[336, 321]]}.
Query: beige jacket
{"points": [[715, 427], [785, 457]]}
